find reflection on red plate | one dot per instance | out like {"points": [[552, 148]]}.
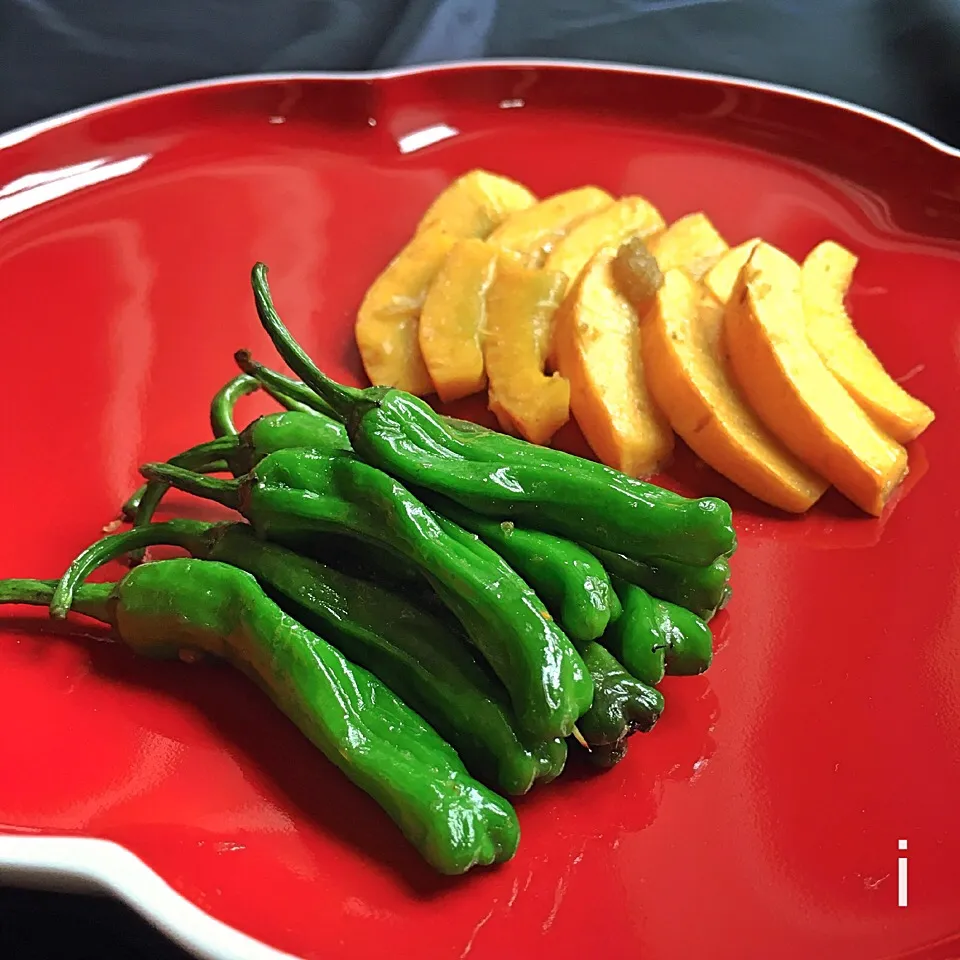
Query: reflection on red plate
{"points": [[761, 817]]}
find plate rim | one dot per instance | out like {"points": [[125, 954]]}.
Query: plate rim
{"points": [[22, 133], [94, 865]]}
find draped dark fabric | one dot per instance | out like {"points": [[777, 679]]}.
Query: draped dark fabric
{"points": [[897, 56]]}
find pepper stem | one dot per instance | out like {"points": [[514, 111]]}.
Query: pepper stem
{"points": [[578, 736], [284, 390], [343, 399], [224, 403], [188, 534], [92, 600], [207, 457], [226, 492]]}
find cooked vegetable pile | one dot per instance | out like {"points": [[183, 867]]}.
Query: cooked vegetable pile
{"points": [[440, 608]]}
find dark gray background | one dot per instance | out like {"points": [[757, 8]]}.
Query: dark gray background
{"points": [[898, 56]]}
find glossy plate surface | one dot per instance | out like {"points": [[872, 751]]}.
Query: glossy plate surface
{"points": [[762, 816]]}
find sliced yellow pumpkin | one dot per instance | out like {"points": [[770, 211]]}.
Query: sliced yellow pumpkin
{"points": [[824, 280], [721, 278], [520, 303], [612, 225], [792, 391], [691, 243], [475, 203], [532, 233], [686, 372], [453, 317], [596, 347], [387, 328]]}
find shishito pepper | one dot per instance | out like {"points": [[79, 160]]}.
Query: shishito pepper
{"points": [[542, 488], [702, 590], [653, 638], [570, 581], [236, 450], [428, 665], [238, 453], [202, 607], [622, 705], [294, 495]]}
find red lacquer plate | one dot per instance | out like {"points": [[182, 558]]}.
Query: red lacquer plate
{"points": [[763, 816]]}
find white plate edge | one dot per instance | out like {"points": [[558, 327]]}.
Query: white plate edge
{"points": [[87, 864]]}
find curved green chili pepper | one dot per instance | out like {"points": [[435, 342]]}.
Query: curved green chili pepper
{"points": [[556, 492], [221, 422], [703, 590], [242, 451], [279, 431], [635, 638], [654, 638], [570, 581], [622, 705], [293, 495], [170, 607], [689, 648], [608, 755], [428, 665]]}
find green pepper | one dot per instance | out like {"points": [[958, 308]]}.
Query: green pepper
{"points": [[426, 664], [689, 649], [703, 590], [654, 638], [293, 495], [622, 705], [186, 607], [263, 437], [547, 490], [241, 452], [221, 422], [608, 755], [635, 638], [570, 581]]}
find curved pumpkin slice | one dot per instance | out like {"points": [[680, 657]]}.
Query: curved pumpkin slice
{"points": [[387, 329], [686, 373], [792, 391], [721, 278], [475, 203], [520, 304], [690, 243], [532, 233], [453, 317], [627, 217], [824, 280], [596, 347]]}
